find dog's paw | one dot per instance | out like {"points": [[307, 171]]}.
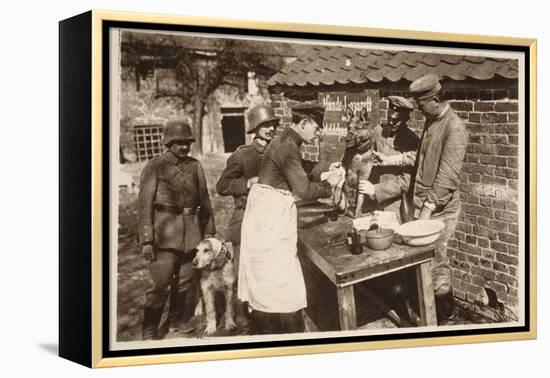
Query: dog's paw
{"points": [[210, 328], [230, 324]]}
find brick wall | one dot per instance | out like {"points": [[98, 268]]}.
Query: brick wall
{"points": [[484, 249]]}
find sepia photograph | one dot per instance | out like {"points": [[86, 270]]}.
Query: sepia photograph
{"points": [[267, 189]]}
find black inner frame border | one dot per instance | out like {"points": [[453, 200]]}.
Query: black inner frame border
{"points": [[105, 70]]}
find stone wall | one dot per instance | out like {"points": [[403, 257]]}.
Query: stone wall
{"points": [[142, 105]]}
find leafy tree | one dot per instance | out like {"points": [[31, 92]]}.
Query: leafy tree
{"points": [[202, 64]]}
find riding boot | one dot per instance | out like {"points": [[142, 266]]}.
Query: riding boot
{"points": [[151, 320], [241, 314], [181, 312]]}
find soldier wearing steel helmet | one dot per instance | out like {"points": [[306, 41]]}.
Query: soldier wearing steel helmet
{"points": [[241, 173], [175, 214]]}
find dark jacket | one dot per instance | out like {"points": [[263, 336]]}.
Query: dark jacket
{"points": [[167, 186], [242, 165], [441, 158], [282, 168], [404, 141]]}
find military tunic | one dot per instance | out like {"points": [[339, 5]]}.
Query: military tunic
{"points": [[282, 168], [441, 157], [242, 165], [174, 214], [403, 141], [440, 165], [173, 205]]}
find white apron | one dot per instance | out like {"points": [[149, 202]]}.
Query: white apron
{"points": [[270, 275]]}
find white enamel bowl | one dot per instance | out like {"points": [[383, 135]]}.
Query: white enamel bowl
{"points": [[420, 232]]}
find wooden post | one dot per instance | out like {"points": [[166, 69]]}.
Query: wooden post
{"points": [[346, 308], [426, 295]]}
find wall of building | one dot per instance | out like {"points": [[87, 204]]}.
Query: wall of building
{"points": [[144, 106], [484, 251]]}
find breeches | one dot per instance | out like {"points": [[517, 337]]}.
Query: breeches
{"points": [[441, 269], [170, 270]]}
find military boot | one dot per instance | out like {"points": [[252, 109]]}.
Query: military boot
{"points": [[241, 314], [445, 308], [182, 306], [151, 320]]}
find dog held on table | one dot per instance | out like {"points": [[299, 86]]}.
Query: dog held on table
{"points": [[358, 158], [215, 265]]}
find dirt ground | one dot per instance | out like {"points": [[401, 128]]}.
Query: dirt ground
{"points": [[133, 279]]}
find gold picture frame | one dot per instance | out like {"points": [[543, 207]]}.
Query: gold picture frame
{"points": [[84, 177]]}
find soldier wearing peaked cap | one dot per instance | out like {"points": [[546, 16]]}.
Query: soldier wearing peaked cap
{"points": [[270, 275], [174, 216], [395, 146], [438, 168], [241, 172]]}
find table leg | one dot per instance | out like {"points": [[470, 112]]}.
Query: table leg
{"points": [[346, 308], [426, 295]]}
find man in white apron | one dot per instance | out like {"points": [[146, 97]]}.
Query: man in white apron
{"points": [[270, 275]]}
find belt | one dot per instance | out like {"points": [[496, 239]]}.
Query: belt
{"points": [[176, 210]]}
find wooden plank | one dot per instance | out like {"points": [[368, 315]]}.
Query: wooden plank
{"points": [[345, 279], [426, 295], [339, 258], [346, 308], [317, 260]]}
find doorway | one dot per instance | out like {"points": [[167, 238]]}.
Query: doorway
{"points": [[233, 129]]}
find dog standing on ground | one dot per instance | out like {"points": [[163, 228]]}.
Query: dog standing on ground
{"points": [[215, 265]]}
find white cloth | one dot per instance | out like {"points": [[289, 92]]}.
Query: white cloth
{"points": [[335, 200], [270, 275]]}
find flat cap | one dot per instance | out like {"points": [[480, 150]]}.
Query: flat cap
{"points": [[311, 110], [400, 104], [425, 86]]}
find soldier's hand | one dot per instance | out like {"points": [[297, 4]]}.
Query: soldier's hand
{"points": [[366, 187], [380, 158], [333, 177], [251, 181], [148, 253], [425, 213]]}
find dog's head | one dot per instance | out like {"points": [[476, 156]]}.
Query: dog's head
{"points": [[211, 253]]}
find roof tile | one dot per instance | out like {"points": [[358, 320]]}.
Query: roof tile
{"points": [[336, 64]]}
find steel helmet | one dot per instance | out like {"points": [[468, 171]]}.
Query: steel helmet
{"points": [[258, 115], [177, 130]]}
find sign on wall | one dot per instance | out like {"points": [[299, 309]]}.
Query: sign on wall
{"points": [[342, 109]]}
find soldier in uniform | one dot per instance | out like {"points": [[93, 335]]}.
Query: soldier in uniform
{"points": [[436, 195], [395, 146], [241, 172], [270, 275], [174, 216]]}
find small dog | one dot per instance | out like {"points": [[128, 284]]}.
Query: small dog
{"points": [[215, 264]]}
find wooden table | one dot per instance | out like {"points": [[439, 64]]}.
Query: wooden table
{"points": [[345, 270]]}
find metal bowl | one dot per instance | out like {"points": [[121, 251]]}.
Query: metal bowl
{"points": [[380, 239], [420, 232]]}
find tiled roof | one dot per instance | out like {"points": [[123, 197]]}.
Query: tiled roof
{"points": [[333, 64]]}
